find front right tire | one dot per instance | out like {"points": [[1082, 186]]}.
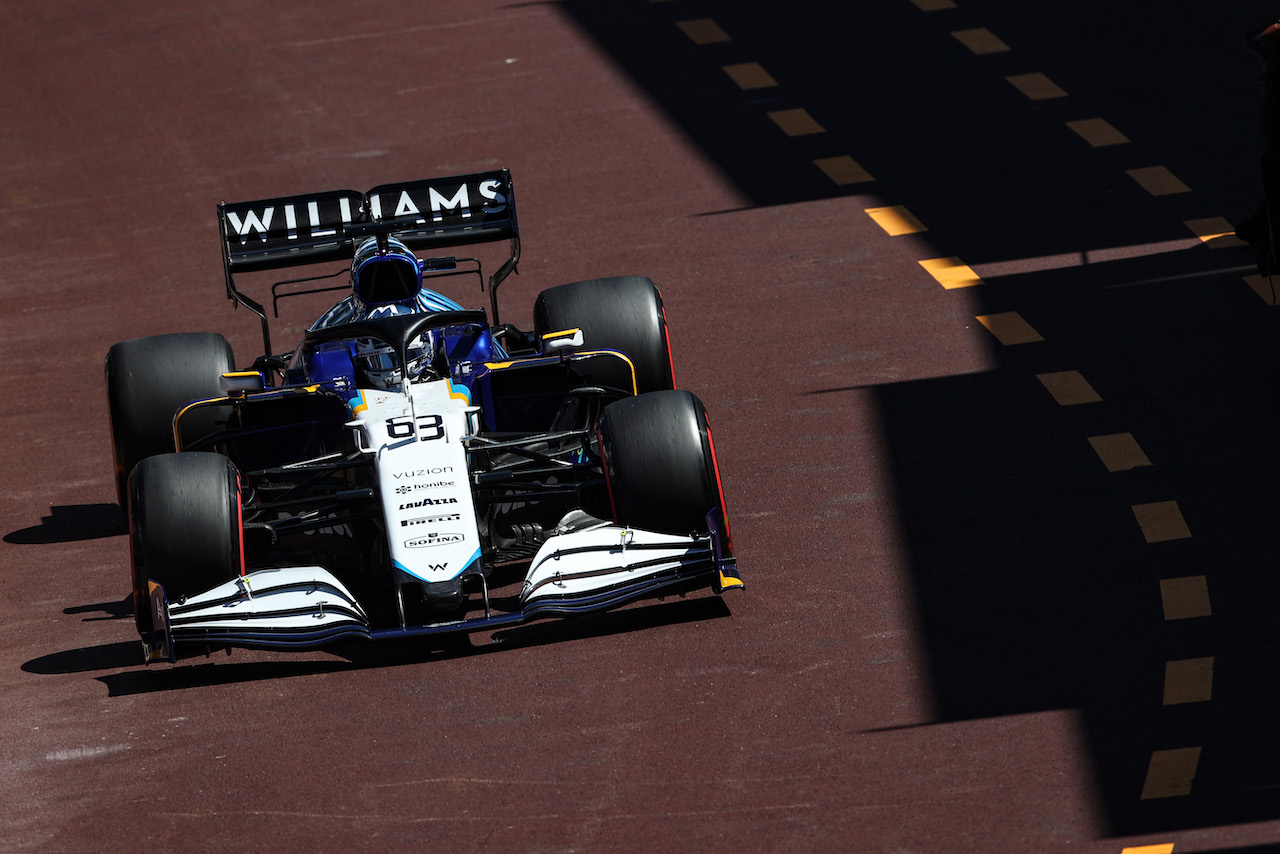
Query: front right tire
{"points": [[185, 525], [659, 461]]}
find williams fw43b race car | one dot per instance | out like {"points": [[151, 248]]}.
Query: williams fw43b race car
{"points": [[412, 467]]}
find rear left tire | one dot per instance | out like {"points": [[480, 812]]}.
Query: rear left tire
{"points": [[148, 380]]}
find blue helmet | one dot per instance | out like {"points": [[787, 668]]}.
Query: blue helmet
{"points": [[385, 275]]}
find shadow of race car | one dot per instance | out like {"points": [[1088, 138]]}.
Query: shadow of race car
{"points": [[412, 467]]}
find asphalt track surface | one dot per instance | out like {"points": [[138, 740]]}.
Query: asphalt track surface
{"points": [[1006, 590]]}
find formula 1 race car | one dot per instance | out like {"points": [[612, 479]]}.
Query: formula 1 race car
{"points": [[412, 467]]}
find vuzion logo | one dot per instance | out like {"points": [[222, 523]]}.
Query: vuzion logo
{"points": [[432, 540], [421, 472]]}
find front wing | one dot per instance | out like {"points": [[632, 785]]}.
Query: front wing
{"points": [[307, 607]]}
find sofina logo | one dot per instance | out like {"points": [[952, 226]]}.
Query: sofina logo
{"points": [[432, 540]]}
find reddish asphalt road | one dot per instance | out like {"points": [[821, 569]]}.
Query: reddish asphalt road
{"points": [[953, 636]]}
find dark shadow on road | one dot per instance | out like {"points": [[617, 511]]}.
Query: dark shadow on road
{"points": [[196, 669], [1035, 586], [71, 522]]}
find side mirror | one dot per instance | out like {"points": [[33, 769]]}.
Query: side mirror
{"points": [[240, 383], [566, 339]]}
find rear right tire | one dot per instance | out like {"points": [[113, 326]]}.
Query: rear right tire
{"points": [[621, 313]]}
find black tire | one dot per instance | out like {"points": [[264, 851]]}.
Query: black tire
{"points": [[148, 380], [619, 313], [659, 462], [184, 525]]}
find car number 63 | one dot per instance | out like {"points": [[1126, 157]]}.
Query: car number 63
{"points": [[428, 427]]}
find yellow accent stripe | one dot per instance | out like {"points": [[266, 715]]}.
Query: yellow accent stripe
{"points": [[729, 583], [1214, 230], [895, 220], [1158, 848], [1010, 328], [1158, 181], [1161, 521], [796, 122], [703, 31], [498, 366], [1036, 86], [1069, 388], [1185, 598], [980, 40], [1098, 132], [177, 437], [750, 75], [1171, 773], [1265, 287], [1119, 451], [951, 273], [843, 170], [1189, 680]]}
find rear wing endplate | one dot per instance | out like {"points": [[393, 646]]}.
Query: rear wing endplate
{"points": [[320, 227]]}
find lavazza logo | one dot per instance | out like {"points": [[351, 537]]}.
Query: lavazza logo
{"points": [[414, 487], [427, 502], [433, 540]]}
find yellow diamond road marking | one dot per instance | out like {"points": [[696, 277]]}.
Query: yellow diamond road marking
{"points": [[933, 5], [750, 75], [1009, 328], [795, 122], [1185, 598], [1214, 230], [951, 273], [1098, 132], [703, 31], [896, 220], [843, 170], [1171, 773], [1158, 181], [1161, 521], [1036, 86], [1069, 388], [1159, 848], [1119, 451], [1189, 680], [1266, 287], [980, 41]]}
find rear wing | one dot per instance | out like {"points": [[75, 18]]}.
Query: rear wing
{"points": [[319, 227]]}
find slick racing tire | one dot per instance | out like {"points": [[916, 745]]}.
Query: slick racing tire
{"points": [[148, 381], [619, 313], [184, 525], [659, 462]]}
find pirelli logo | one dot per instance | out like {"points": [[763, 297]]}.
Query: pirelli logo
{"points": [[427, 520]]}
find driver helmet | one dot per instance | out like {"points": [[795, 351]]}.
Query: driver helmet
{"points": [[385, 273], [378, 365]]}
